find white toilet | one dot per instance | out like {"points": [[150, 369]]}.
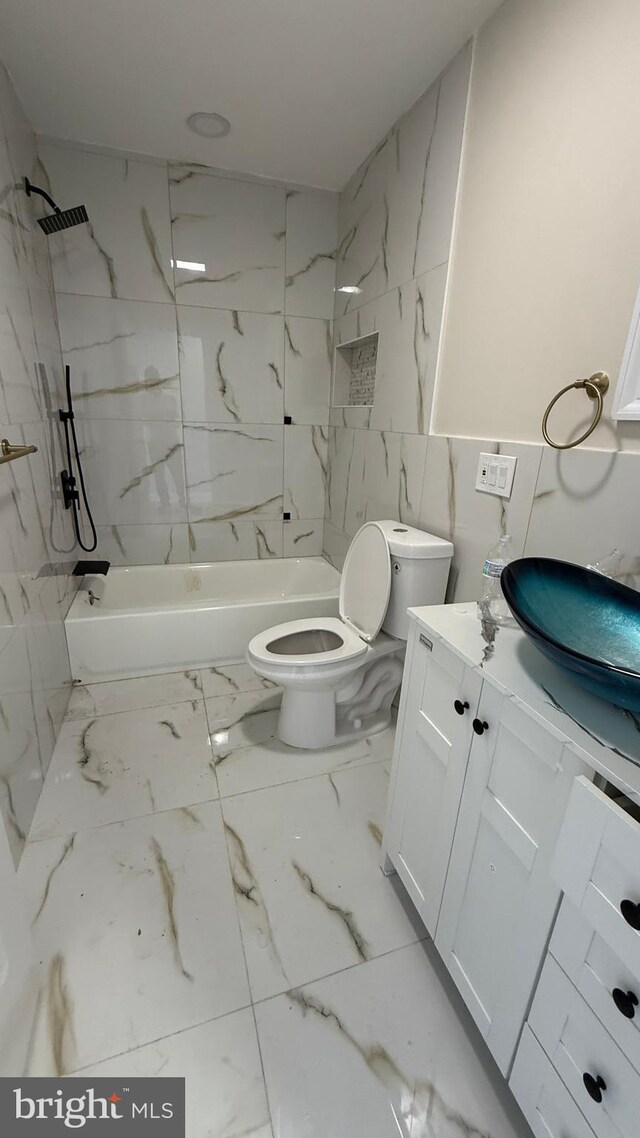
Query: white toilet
{"points": [[339, 675]]}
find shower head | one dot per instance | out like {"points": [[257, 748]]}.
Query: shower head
{"points": [[60, 218]]}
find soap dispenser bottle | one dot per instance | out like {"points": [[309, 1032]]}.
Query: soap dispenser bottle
{"points": [[492, 605]]}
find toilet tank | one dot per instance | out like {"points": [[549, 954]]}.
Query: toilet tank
{"points": [[420, 566]]}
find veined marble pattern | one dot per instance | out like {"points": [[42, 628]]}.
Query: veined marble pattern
{"points": [[596, 490], [231, 366], [231, 679], [89, 700], [384, 1046], [235, 229], [396, 212], [308, 355], [408, 320], [312, 237], [393, 475], [226, 1095], [232, 540], [21, 774], [248, 756], [305, 471], [36, 547], [123, 765], [147, 903], [234, 472], [167, 907], [303, 915], [211, 354], [345, 506], [144, 544], [302, 538], [134, 470], [335, 544], [453, 508], [21, 394], [373, 475], [123, 357], [125, 249]]}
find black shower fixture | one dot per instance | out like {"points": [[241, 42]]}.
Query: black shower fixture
{"points": [[60, 218]]}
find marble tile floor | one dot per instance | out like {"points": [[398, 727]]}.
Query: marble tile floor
{"points": [[208, 903]]}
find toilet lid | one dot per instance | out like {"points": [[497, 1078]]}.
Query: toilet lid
{"points": [[366, 582]]}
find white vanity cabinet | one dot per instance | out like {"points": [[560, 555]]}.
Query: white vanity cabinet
{"points": [[524, 865], [500, 900], [479, 791], [439, 702]]}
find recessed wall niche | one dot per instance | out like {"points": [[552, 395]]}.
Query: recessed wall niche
{"points": [[354, 377]]}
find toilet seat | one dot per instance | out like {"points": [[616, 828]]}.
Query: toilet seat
{"points": [[351, 647], [364, 595]]}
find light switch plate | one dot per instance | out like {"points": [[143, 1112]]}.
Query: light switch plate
{"points": [[495, 474]]}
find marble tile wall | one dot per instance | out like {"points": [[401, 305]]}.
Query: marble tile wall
{"points": [[395, 224], [183, 376], [394, 236], [37, 544]]}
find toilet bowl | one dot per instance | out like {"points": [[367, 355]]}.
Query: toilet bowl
{"points": [[339, 675]]}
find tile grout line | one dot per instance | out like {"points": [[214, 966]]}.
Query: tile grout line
{"points": [[246, 970]]}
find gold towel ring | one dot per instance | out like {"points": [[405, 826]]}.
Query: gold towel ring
{"points": [[596, 387]]}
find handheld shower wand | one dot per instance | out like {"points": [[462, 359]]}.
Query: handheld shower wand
{"points": [[60, 218]]}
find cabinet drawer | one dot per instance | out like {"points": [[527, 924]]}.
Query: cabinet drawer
{"points": [[597, 864], [542, 1096], [597, 973], [577, 1045]]}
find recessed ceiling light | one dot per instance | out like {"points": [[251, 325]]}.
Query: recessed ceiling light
{"points": [[208, 124], [348, 288]]}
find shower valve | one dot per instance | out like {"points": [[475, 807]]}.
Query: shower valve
{"points": [[69, 492]]}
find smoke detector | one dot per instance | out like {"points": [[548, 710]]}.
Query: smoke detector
{"points": [[208, 124]]}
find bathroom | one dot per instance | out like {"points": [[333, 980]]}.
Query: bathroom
{"points": [[283, 320]]}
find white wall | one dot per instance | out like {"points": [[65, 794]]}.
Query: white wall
{"points": [[547, 256]]}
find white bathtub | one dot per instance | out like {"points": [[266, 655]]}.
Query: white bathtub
{"points": [[166, 618]]}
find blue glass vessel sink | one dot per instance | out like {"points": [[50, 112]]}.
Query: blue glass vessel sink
{"points": [[586, 623]]}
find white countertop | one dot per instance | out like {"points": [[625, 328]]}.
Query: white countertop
{"points": [[604, 736]]}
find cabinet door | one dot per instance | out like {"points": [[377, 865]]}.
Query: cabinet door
{"points": [[429, 767], [500, 900]]}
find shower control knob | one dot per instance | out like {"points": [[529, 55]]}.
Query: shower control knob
{"points": [[460, 706], [626, 1002], [480, 726], [594, 1086]]}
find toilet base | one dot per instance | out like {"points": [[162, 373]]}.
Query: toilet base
{"points": [[312, 719], [307, 719]]}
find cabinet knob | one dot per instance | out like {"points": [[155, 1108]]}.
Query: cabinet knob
{"points": [[595, 1086], [631, 912], [626, 1002], [460, 706], [480, 726]]}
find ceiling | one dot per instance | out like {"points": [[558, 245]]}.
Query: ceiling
{"points": [[309, 85]]}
